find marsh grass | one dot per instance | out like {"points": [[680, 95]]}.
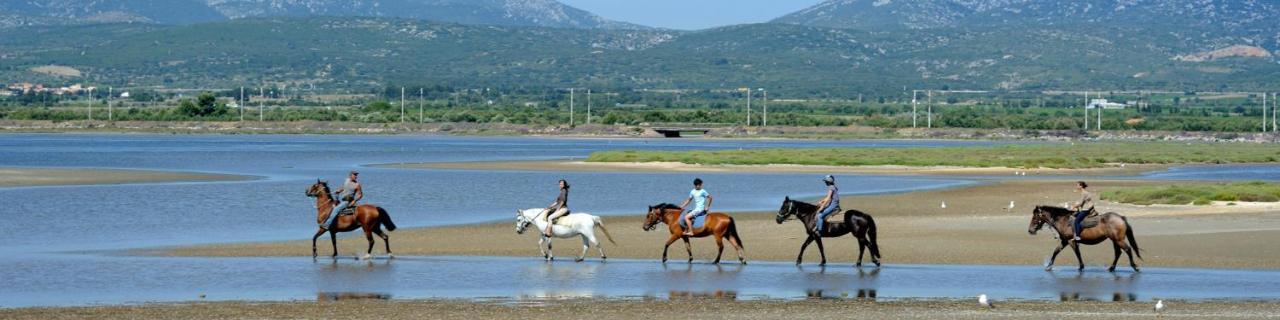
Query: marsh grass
{"points": [[1202, 194], [1055, 155]]}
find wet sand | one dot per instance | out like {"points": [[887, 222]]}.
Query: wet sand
{"points": [[30, 177], [974, 228], [643, 167], [711, 306]]}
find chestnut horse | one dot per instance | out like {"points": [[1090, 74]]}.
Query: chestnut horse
{"points": [[369, 217], [1111, 226], [855, 223], [717, 224]]}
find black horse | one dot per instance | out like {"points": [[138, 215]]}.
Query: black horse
{"points": [[861, 225]]}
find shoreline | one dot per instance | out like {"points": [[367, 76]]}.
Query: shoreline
{"points": [[714, 305], [578, 165], [19, 177], [974, 229]]}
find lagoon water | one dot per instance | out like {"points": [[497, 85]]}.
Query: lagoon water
{"points": [[61, 263]]}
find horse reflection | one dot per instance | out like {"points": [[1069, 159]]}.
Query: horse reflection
{"points": [[349, 296], [712, 295], [861, 294]]}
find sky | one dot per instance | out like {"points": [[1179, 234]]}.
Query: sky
{"points": [[691, 14]]}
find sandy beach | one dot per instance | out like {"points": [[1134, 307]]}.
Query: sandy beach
{"points": [[709, 306], [30, 177], [644, 167], [976, 227]]}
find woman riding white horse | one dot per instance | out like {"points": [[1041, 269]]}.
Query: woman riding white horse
{"points": [[568, 226]]}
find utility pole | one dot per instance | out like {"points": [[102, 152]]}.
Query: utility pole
{"points": [[422, 94], [766, 107], [914, 104], [748, 107], [1086, 111], [570, 107], [930, 111], [1264, 112], [241, 104], [1100, 107], [1274, 97], [261, 93], [110, 115], [401, 104], [588, 105], [91, 103]]}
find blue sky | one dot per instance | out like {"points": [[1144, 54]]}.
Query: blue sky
{"points": [[691, 14]]}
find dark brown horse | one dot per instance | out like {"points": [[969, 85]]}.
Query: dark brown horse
{"points": [[369, 217], [859, 224], [718, 225], [1111, 226]]}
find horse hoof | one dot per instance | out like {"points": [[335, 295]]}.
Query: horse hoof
{"points": [[715, 262], [858, 265], [579, 260], [1111, 269], [366, 257], [390, 256]]}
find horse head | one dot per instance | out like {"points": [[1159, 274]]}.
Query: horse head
{"points": [[319, 188], [523, 221], [1039, 217], [787, 210], [652, 218]]}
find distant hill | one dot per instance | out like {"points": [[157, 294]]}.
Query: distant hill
{"points": [[542, 13], [361, 53]]}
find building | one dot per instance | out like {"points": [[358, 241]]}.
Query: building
{"points": [[1104, 104]]}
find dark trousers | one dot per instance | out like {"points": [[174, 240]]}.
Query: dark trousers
{"points": [[1079, 220]]}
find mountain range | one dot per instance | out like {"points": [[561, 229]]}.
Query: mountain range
{"points": [[543, 13], [838, 47]]}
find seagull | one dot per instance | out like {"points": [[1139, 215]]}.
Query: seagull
{"points": [[1010, 207], [944, 204], [1159, 307], [982, 301]]}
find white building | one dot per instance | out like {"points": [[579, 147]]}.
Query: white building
{"points": [[1104, 104]]}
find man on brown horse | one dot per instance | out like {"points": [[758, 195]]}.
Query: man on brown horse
{"points": [[1082, 208], [349, 194]]}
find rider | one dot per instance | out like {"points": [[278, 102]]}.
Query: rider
{"points": [[1083, 207], [559, 208], [829, 204], [701, 203], [349, 194]]}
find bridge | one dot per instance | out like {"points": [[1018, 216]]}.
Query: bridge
{"points": [[675, 132]]}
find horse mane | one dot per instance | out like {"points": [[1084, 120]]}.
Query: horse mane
{"points": [[1055, 211], [805, 207], [667, 206]]}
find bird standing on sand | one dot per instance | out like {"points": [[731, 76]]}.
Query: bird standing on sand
{"points": [[1159, 307], [944, 204], [982, 301]]}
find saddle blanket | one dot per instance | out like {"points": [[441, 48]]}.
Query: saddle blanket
{"points": [[1091, 220], [698, 222]]}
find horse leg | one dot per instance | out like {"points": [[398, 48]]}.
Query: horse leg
{"points": [[1129, 250], [586, 244], [1054, 257], [720, 245], [368, 235], [333, 237], [862, 248], [542, 247], [596, 242], [734, 242], [688, 248], [1075, 247], [668, 246], [313, 242], [821, 251], [1114, 245], [802, 248], [386, 241], [551, 255]]}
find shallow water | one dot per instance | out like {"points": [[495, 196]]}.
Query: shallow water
{"points": [[39, 270], [86, 280]]}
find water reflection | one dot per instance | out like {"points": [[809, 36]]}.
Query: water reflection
{"points": [[347, 296], [699, 295]]}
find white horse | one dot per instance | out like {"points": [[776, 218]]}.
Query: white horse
{"points": [[568, 226]]}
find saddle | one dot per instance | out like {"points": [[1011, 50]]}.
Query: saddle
{"points": [[350, 210], [1091, 220]]}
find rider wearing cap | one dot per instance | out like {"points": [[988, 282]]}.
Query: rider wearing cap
{"points": [[349, 194], [829, 204]]}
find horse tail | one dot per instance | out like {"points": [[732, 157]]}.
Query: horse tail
{"points": [[1128, 233], [600, 224], [385, 219], [733, 230]]}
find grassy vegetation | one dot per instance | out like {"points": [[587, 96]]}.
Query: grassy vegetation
{"points": [[1072, 156], [1197, 194]]}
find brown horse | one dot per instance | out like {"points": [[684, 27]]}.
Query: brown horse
{"points": [[855, 223], [369, 217], [1111, 226], [717, 224]]}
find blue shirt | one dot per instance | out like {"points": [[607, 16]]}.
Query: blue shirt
{"points": [[699, 197]]}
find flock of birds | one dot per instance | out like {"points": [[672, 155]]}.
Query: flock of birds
{"points": [[987, 303]]}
